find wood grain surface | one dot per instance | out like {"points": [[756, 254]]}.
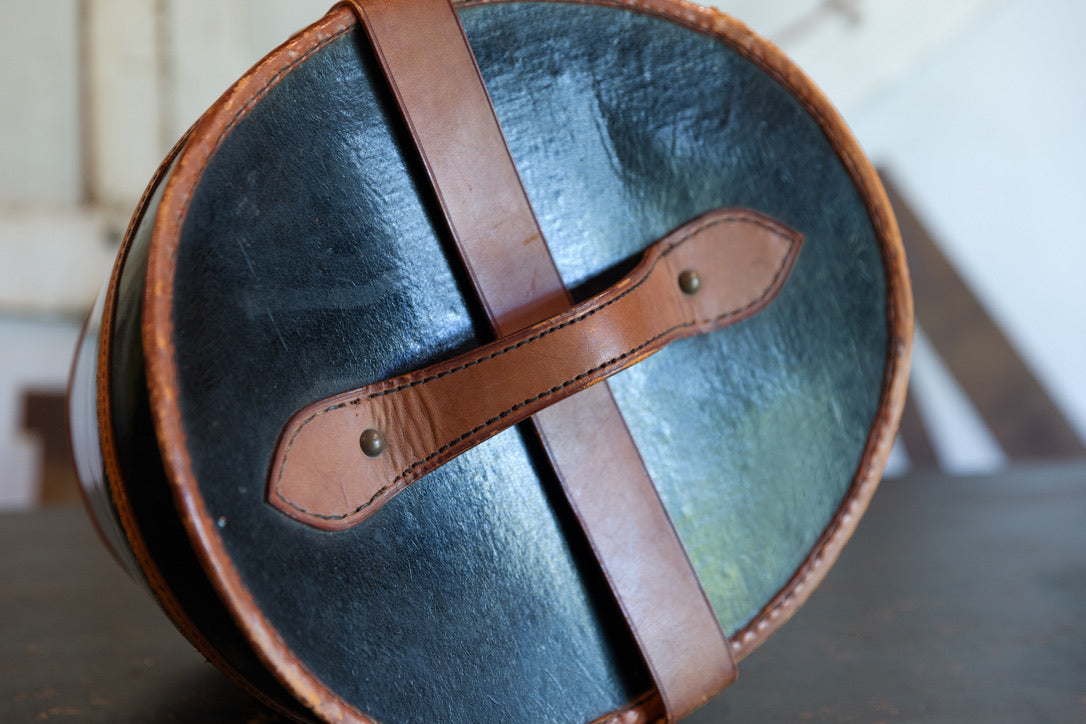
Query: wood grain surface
{"points": [[958, 599]]}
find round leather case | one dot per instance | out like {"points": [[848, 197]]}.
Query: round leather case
{"points": [[292, 248]]}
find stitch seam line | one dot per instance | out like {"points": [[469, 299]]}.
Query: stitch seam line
{"points": [[406, 472]]}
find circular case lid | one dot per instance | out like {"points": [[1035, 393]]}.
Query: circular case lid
{"points": [[297, 252]]}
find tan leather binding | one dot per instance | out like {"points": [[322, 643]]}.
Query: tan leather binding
{"points": [[427, 417], [437, 85]]}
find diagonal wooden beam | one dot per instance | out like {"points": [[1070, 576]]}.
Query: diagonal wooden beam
{"points": [[1014, 405]]}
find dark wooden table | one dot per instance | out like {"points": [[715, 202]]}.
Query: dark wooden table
{"points": [[958, 600]]}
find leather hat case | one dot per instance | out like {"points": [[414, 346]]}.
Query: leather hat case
{"points": [[496, 361]]}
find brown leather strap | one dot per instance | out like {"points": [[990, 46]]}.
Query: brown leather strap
{"points": [[321, 476], [432, 71], [421, 47]]}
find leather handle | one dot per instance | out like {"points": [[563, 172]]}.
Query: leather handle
{"points": [[322, 474]]}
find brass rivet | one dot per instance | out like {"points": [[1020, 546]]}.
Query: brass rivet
{"points": [[372, 442], [689, 281]]}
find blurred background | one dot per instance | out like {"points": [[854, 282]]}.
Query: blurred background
{"points": [[973, 111]]}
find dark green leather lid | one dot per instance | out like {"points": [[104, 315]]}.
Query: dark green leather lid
{"points": [[310, 259]]}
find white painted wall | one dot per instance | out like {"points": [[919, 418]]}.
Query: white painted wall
{"points": [[853, 49], [40, 134]]}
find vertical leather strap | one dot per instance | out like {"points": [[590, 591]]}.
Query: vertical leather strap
{"points": [[432, 72], [433, 75]]}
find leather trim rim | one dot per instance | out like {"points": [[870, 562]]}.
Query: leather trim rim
{"points": [[153, 578], [157, 333], [162, 368], [115, 483]]}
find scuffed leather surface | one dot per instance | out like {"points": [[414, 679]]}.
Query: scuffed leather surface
{"points": [[310, 264]]}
